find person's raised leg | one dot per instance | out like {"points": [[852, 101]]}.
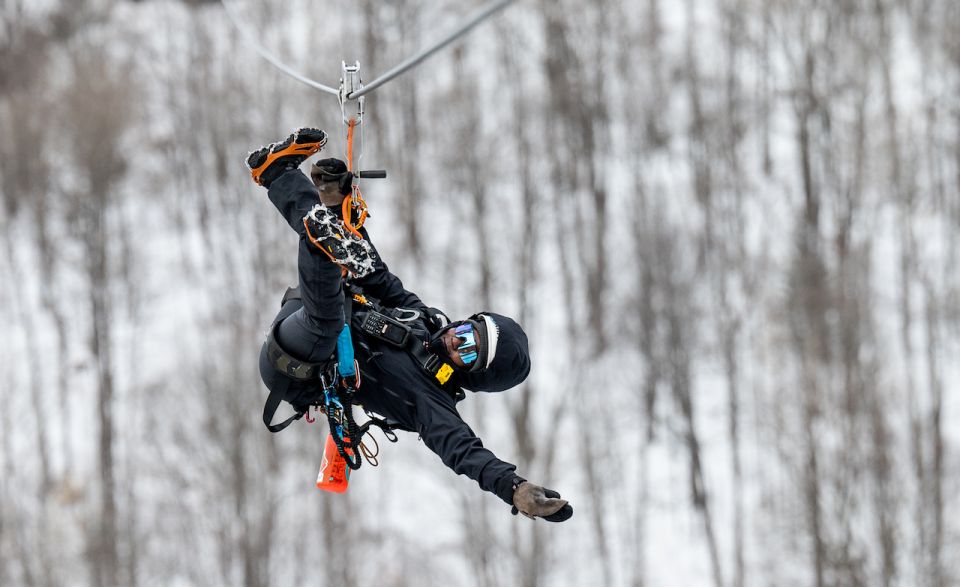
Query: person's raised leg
{"points": [[270, 162], [310, 333], [276, 167]]}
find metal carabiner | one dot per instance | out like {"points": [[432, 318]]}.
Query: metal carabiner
{"points": [[350, 82], [330, 399]]}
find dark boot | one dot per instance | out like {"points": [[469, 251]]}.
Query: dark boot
{"points": [[326, 232], [268, 163]]}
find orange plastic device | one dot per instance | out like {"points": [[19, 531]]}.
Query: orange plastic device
{"points": [[334, 472]]}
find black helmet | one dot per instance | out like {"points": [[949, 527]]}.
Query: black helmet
{"points": [[504, 358]]}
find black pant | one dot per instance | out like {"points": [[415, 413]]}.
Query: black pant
{"points": [[310, 333]]}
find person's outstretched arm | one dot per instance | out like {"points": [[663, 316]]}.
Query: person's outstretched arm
{"points": [[445, 433]]}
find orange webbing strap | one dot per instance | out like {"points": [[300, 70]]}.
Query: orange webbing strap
{"points": [[317, 243], [293, 149], [348, 202]]}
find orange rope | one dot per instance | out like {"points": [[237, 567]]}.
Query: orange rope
{"points": [[348, 203], [345, 208], [352, 124]]}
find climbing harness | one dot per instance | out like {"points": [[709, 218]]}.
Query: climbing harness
{"points": [[338, 380], [394, 326]]}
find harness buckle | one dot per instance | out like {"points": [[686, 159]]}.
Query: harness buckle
{"points": [[406, 314]]}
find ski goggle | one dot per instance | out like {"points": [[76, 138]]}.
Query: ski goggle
{"points": [[468, 348]]}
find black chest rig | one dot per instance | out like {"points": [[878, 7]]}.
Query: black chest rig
{"points": [[402, 328]]}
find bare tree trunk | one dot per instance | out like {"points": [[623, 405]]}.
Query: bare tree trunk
{"points": [[470, 165], [99, 109], [408, 145], [732, 369], [885, 503], [645, 222], [700, 153], [765, 89], [7, 456], [701, 160], [593, 122], [242, 507], [101, 342], [592, 454], [24, 181], [652, 127], [6, 537], [938, 576], [572, 148], [811, 481], [373, 47], [905, 199], [812, 300], [337, 541], [577, 105], [535, 447], [639, 578], [6, 451], [33, 562], [732, 262], [679, 343]]}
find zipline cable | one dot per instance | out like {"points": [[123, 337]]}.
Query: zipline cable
{"points": [[472, 21], [468, 24], [251, 38]]}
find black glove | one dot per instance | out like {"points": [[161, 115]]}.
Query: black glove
{"points": [[328, 170], [534, 501], [346, 183]]}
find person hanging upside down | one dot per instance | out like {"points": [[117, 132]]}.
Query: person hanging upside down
{"points": [[414, 380]]}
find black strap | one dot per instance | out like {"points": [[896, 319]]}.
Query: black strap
{"points": [[385, 426], [270, 408], [429, 361], [285, 363], [347, 303], [441, 371], [289, 365], [292, 293], [345, 423]]}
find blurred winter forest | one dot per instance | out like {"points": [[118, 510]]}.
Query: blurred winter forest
{"points": [[730, 228]]}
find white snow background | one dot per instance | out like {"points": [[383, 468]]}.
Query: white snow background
{"points": [[198, 259]]}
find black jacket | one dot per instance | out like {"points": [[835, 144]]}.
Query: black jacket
{"points": [[395, 386]]}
